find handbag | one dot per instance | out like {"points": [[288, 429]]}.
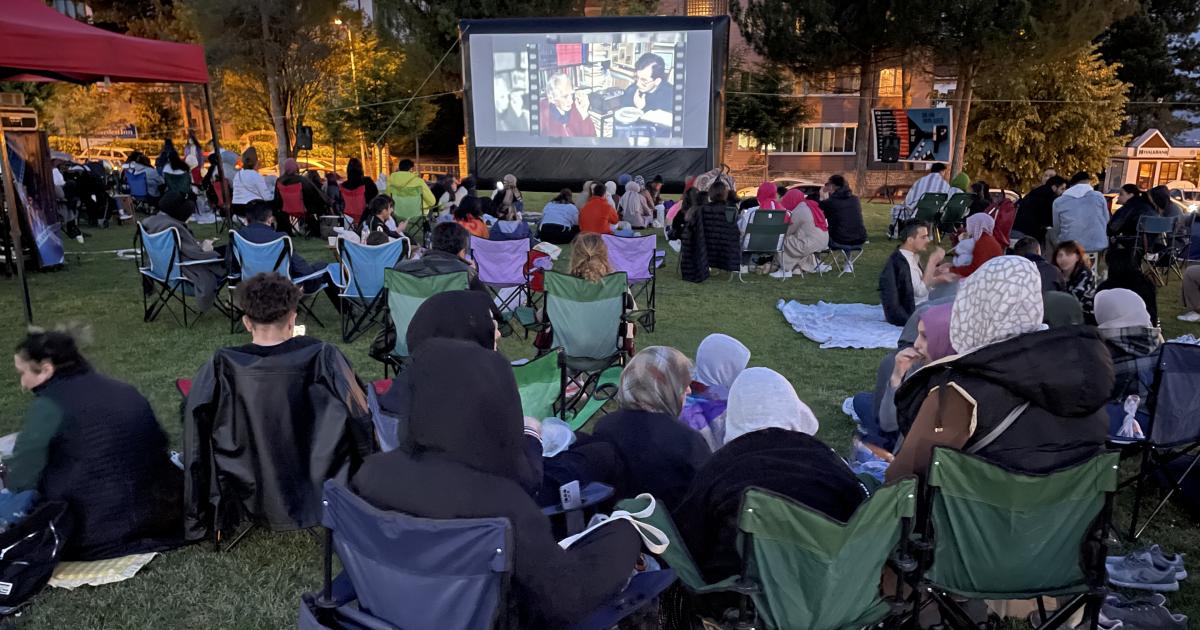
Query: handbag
{"points": [[31, 550]]}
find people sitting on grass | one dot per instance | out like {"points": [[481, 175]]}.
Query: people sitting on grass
{"points": [[598, 215], [508, 203], [844, 212], [94, 443], [659, 453], [260, 228], [904, 284], [1006, 395], [1081, 215], [719, 360], [807, 234], [983, 245], [174, 210], [463, 459], [560, 219], [1133, 343], [1030, 248], [769, 444], [1076, 269], [635, 207], [378, 218]]}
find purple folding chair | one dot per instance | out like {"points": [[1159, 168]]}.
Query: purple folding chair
{"points": [[637, 257], [501, 267]]}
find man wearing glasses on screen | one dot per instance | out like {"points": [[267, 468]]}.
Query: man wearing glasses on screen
{"points": [[650, 92], [565, 112]]}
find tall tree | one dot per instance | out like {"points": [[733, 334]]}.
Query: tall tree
{"points": [[817, 37], [762, 112], [1159, 58], [1064, 114]]}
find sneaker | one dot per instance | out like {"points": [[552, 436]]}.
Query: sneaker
{"points": [[124, 216], [848, 268], [1190, 316], [79, 239], [1106, 623], [1138, 571], [1144, 615], [824, 268], [781, 274], [1120, 601], [1157, 558]]}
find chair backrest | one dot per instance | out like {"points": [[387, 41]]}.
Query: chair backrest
{"points": [[586, 315], [256, 258], [355, 200], [500, 263], [292, 196], [540, 383], [992, 525], [957, 207], [929, 206], [1176, 399], [178, 182], [678, 557], [406, 293], [1152, 224], [633, 255], [764, 232], [363, 266], [814, 572], [160, 254], [137, 183], [416, 572]]}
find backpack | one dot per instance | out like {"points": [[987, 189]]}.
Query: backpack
{"points": [[29, 552]]}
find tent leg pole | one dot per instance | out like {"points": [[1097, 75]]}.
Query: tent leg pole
{"points": [[212, 122], [16, 249]]}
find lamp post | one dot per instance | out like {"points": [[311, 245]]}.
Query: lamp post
{"points": [[362, 143]]}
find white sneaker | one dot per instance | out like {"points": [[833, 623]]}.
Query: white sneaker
{"points": [[848, 269], [824, 268], [1190, 316], [781, 274], [79, 239], [124, 216]]}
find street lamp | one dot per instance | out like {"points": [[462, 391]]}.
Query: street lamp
{"points": [[362, 144]]}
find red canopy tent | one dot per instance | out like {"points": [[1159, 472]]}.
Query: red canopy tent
{"points": [[38, 43]]}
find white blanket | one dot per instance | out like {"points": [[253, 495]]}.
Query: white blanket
{"points": [[841, 325]]}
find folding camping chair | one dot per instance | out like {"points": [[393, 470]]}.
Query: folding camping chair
{"points": [[178, 182], [273, 257], [161, 271], [535, 270], [405, 571], [929, 207], [292, 198], [405, 294], [954, 214], [1173, 429], [801, 568], [501, 267], [139, 190], [849, 255], [988, 526], [360, 281], [1153, 247], [764, 235], [638, 258], [586, 318], [540, 385]]}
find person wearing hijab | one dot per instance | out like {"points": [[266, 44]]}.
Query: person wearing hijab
{"points": [[769, 444], [807, 234], [985, 246], [658, 452], [1124, 273], [1132, 341], [463, 458], [610, 193], [507, 203], [174, 210], [1062, 309], [766, 198], [719, 360], [1006, 396], [634, 207], [960, 183]]}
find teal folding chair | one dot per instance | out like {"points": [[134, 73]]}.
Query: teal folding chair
{"points": [[405, 294], [954, 214], [539, 384], [764, 235]]}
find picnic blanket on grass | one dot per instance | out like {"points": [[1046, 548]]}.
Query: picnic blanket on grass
{"points": [[71, 575], [841, 325]]}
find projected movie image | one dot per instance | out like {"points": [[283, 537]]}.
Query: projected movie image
{"points": [[594, 89]]}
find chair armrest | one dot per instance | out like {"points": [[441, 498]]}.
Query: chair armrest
{"points": [[593, 494], [311, 276]]}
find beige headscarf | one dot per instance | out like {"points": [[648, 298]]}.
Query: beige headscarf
{"points": [[655, 380], [762, 398], [1001, 300]]}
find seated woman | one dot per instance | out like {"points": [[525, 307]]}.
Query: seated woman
{"points": [[807, 234], [1133, 342], [174, 210], [463, 459], [977, 400], [94, 443], [719, 360], [1076, 268], [769, 444], [979, 230], [659, 454], [560, 220], [468, 215], [598, 215], [635, 208]]}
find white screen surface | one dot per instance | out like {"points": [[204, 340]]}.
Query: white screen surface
{"points": [[610, 90]]}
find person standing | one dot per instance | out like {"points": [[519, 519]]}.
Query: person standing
{"points": [[1081, 215], [1035, 213]]}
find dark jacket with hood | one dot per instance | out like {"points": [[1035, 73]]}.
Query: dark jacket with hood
{"points": [[844, 213], [1052, 279], [790, 463], [463, 459], [1124, 221], [659, 453], [1064, 373], [1035, 212], [896, 293], [264, 427]]}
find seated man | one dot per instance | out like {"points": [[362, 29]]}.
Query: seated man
{"points": [[934, 182], [270, 421], [903, 284], [260, 229], [449, 243], [1029, 247]]}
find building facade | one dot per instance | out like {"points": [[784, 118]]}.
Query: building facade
{"points": [[1149, 161]]}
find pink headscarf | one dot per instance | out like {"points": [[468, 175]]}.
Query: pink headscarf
{"points": [[767, 194], [290, 167], [794, 197], [937, 330]]}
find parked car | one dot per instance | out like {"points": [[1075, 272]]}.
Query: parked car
{"points": [[113, 156], [1188, 198], [789, 183], [306, 164]]}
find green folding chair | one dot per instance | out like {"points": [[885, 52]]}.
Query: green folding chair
{"points": [[764, 235], [998, 534], [929, 207], [586, 318], [405, 294], [954, 213], [540, 385]]}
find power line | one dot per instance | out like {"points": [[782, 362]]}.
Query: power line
{"points": [[973, 100]]}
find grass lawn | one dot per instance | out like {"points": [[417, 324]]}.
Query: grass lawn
{"points": [[258, 584]]}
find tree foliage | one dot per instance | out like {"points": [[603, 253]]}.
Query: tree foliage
{"points": [[760, 114], [1064, 114]]}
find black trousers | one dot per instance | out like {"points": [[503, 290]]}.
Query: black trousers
{"points": [[557, 234]]}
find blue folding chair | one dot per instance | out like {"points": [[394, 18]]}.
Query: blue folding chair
{"points": [[359, 279], [161, 270], [409, 572], [273, 257], [139, 190]]}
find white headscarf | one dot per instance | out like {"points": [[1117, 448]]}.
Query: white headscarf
{"points": [[979, 224], [762, 399], [719, 360], [610, 190], [1001, 300], [1120, 308]]}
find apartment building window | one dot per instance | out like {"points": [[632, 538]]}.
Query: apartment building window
{"points": [[835, 139], [707, 7], [891, 82], [831, 83]]}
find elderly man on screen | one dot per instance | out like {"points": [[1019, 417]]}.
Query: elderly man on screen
{"points": [[565, 112]]}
